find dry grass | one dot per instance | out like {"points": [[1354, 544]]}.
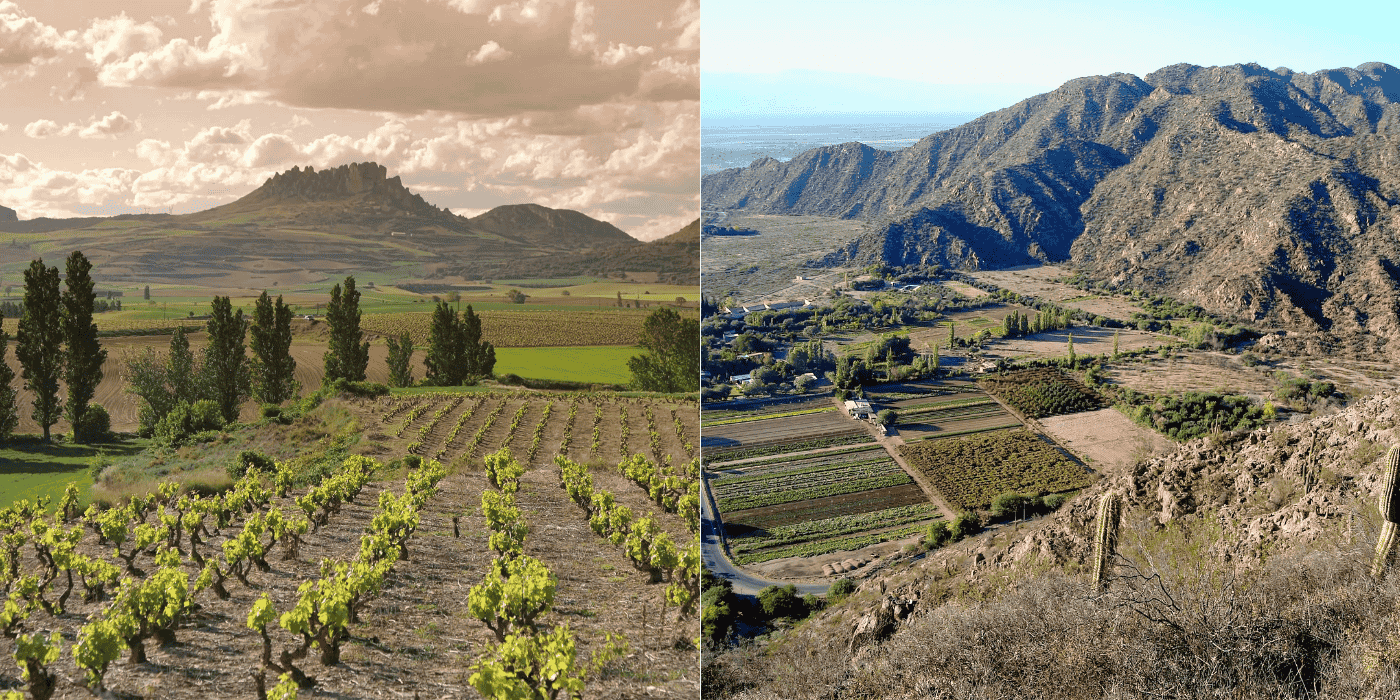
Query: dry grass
{"points": [[1175, 623]]}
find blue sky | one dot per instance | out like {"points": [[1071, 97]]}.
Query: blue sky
{"points": [[840, 56]]}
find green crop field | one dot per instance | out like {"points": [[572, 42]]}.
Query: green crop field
{"points": [[604, 364], [34, 470], [971, 471]]}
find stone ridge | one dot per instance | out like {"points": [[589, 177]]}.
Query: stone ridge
{"points": [[1270, 196], [355, 180]]}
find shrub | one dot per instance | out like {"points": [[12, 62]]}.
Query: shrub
{"points": [[510, 379], [780, 601], [413, 461], [250, 458], [96, 425], [360, 388], [937, 535], [1055, 500], [205, 415], [1010, 505], [887, 416], [966, 525], [98, 463], [840, 590], [271, 410]]}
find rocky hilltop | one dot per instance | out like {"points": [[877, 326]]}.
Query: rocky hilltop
{"points": [[1267, 195], [364, 184], [8, 214], [545, 225]]}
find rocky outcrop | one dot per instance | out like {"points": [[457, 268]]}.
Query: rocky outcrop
{"points": [[8, 215], [1265, 195], [360, 181]]}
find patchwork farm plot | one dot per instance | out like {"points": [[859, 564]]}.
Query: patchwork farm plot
{"points": [[808, 504], [1043, 392], [942, 409], [812, 425], [971, 471]]}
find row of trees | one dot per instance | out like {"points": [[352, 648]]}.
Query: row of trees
{"points": [[56, 340], [175, 385]]}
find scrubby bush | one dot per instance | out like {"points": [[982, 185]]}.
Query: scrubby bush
{"points": [[185, 420], [1011, 505], [965, 525], [887, 416], [96, 425], [840, 590], [250, 459], [780, 601]]}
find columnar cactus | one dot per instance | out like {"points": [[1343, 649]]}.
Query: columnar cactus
{"points": [[1106, 536], [1390, 510]]}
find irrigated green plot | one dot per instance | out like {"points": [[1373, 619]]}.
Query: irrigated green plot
{"points": [[605, 364], [34, 470]]}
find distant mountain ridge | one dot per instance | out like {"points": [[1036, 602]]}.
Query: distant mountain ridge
{"points": [[1269, 195], [379, 222]]}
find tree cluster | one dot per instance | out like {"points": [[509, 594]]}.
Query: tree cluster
{"points": [[456, 352]]}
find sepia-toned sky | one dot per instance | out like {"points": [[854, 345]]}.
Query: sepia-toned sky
{"points": [[592, 105]]}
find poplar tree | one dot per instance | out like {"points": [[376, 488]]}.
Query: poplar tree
{"points": [[39, 343], [84, 354], [9, 408], [400, 360], [347, 356], [225, 359], [456, 353], [273, 367]]}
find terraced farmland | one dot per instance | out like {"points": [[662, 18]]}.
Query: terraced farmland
{"points": [[971, 471], [962, 412], [780, 429], [807, 504]]}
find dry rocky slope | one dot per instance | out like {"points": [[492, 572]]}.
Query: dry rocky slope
{"points": [[1265, 195], [1272, 532], [1268, 493]]}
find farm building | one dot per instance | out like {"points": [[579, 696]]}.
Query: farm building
{"points": [[859, 408], [740, 378]]}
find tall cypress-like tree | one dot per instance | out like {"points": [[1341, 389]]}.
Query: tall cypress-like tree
{"points": [[273, 366], [84, 354], [400, 360], [479, 354], [347, 356], [225, 359], [39, 342], [456, 353], [9, 407]]}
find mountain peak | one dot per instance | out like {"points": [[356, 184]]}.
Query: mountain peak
{"points": [[358, 181], [536, 221]]}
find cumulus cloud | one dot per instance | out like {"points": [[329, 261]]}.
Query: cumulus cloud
{"points": [[25, 41], [4, 127], [109, 126], [34, 190], [490, 51], [42, 128], [426, 56]]}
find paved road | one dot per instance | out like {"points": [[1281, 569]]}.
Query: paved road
{"points": [[719, 564]]}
